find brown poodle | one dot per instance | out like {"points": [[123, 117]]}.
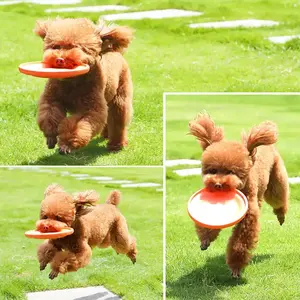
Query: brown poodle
{"points": [[255, 168], [102, 225], [99, 101]]}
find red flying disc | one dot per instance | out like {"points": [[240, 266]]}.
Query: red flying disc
{"points": [[38, 69], [217, 209], [34, 234]]}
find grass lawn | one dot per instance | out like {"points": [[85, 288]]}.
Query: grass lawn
{"points": [[195, 274], [166, 55], [234, 113], [142, 208]]}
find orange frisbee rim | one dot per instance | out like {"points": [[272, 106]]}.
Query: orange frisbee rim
{"points": [[34, 234], [38, 70], [241, 215]]}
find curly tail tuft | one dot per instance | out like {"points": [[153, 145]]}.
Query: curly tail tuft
{"points": [[114, 198]]}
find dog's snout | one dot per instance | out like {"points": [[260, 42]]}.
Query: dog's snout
{"points": [[60, 62], [218, 186]]}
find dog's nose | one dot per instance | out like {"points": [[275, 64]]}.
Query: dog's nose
{"points": [[60, 62], [218, 186], [46, 227]]}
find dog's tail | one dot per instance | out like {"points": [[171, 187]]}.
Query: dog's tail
{"points": [[114, 198]]}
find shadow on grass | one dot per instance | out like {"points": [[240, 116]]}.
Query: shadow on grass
{"points": [[85, 156], [207, 281]]}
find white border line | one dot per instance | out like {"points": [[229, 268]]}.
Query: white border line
{"points": [[231, 93], [164, 199], [76, 166]]}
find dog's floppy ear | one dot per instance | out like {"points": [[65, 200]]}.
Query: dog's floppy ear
{"points": [[53, 189], [86, 198], [114, 38], [205, 130], [263, 134], [41, 28]]}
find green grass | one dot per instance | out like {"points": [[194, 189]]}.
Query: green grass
{"points": [[166, 55], [20, 202], [194, 274]]}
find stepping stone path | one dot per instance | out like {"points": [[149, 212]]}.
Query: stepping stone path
{"points": [[88, 8], [42, 2], [98, 179], [152, 14], [235, 24], [89, 293], [282, 39]]}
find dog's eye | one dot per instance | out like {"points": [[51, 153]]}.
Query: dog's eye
{"points": [[56, 47], [58, 218], [212, 171], [230, 172], [44, 217]]}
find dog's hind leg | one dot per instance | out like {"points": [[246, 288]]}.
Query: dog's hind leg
{"points": [[121, 240], [206, 236], [277, 193], [119, 113], [67, 261], [244, 239]]}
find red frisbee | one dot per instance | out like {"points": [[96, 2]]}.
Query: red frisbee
{"points": [[218, 209], [38, 69], [34, 234]]}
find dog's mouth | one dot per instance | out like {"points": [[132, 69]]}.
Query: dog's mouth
{"points": [[50, 226], [219, 187], [222, 183], [61, 63]]}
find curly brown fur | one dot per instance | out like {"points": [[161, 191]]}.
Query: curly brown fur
{"points": [[94, 225], [100, 100], [255, 168]]}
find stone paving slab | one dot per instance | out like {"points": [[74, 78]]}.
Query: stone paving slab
{"points": [[188, 172], [152, 14], [235, 24], [89, 293], [282, 39], [178, 162], [294, 180]]}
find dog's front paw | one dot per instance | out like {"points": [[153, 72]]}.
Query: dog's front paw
{"points": [[63, 149], [51, 142], [236, 273], [42, 267], [280, 219], [115, 147], [53, 274], [204, 245]]}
